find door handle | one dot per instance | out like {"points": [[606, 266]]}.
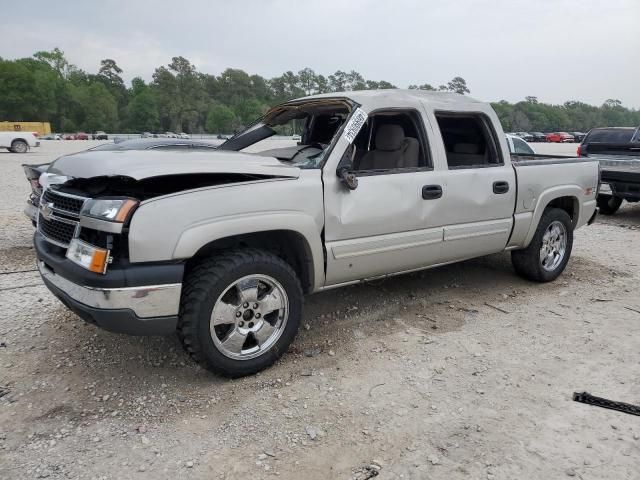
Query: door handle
{"points": [[431, 192], [500, 187]]}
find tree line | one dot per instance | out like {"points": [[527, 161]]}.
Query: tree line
{"points": [[47, 87]]}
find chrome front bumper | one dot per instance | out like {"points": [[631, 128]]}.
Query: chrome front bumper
{"points": [[148, 301], [31, 211]]}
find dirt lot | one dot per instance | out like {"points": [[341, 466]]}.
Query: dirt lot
{"points": [[462, 372]]}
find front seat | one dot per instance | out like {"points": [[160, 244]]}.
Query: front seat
{"points": [[393, 150]]}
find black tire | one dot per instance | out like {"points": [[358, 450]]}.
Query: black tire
{"points": [[608, 204], [527, 262], [201, 289], [19, 146]]}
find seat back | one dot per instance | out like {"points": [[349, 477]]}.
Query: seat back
{"points": [[393, 150]]}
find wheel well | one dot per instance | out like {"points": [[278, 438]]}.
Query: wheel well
{"points": [[19, 140], [568, 204], [286, 244]]}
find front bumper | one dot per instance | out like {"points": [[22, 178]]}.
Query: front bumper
{"points": [[118, 302], [31, 211]]}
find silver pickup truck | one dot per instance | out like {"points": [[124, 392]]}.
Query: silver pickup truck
{"points": [[221, 246]]}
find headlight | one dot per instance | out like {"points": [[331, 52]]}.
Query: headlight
{"points": [[88, 256], [111, 210]]}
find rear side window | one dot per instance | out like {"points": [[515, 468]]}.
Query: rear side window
{"points": [[468, 140], [610, 136]]}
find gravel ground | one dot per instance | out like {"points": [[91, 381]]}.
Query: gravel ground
{"points": [[464, 371]]}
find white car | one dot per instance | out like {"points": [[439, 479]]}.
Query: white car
{"points": [[184, 136], [18, 142], [518, 146]]}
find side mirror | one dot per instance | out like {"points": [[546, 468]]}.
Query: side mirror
{"points": [[347, 177]]}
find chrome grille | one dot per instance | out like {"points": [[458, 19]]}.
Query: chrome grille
{"points": [[63, 202], [59, 216], [56, 230]]}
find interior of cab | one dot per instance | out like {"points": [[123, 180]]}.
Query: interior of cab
{"points": [[467, 141], [316, 122], [389, 141]]}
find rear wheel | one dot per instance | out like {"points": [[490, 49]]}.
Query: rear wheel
{"points": [[19, 146], [548, 253], [240, 311], [608, 204]]}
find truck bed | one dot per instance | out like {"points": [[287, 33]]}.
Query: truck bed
{"points": [[553, 176]]}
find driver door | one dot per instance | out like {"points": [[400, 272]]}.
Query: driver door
{"points": [[383, 226]]}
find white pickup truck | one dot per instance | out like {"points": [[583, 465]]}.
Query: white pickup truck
{"points": [[221, 246], [18, 142]]}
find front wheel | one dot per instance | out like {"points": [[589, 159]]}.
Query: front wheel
{"points": [[608, 204], [19, 146], [548, 253], [240, 311]]}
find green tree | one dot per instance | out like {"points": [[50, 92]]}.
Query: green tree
{"points": [[458, 85], [220, 119], [142, 110], [424, 86]]}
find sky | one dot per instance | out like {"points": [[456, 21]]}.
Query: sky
{"points": [[560, 50]]}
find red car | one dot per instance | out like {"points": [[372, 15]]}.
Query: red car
{"points": [[560, 137], [84, 136]]}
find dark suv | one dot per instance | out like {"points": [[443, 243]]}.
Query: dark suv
{"points": [[618, 150]]}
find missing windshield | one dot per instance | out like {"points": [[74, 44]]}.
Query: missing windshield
{"points": [[296, 132]]}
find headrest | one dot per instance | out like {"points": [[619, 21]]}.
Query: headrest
{"points": [[468, 148], [389, 137]]}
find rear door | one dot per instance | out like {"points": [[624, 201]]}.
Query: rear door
{"points": [[479, 188]]}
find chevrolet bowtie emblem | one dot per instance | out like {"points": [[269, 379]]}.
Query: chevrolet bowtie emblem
{"points": [[46, 209]]}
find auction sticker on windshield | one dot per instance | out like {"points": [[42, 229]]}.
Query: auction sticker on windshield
{"points": [[354, 125]]}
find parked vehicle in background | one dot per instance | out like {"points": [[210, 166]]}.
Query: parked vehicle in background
{"points": [[170, 135], [538, 137], [51, 136], [100, 135], [559, 137], [147, 135], [618, 151], [159, 144], [221, 246], [183, 135], [527, 137], [606, 139], [75, 136], [577, 136], [18, 142], [519, 146]]}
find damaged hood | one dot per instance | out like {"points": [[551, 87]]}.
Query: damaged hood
{"points": [[141, 164]]}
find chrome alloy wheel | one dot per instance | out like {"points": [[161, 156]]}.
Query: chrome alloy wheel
{"points": [[249, 317], [554, 246]]}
